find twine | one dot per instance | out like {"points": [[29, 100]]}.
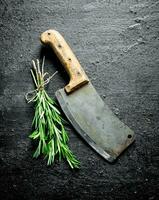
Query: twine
{"points": [[40, 87]]}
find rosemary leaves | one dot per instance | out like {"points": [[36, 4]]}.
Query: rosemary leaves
{"points": [[48, 125]]}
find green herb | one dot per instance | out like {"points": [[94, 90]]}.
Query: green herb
{"points": [[48, 125]]}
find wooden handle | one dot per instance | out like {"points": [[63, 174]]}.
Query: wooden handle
{"points": [[67, 58]]}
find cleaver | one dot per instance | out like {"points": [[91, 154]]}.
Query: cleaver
{"points": [[84, 108]]}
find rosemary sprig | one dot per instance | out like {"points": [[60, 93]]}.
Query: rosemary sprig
{"points": [[47, 122]]}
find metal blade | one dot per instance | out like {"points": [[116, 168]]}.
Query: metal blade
{"points": [[95, 122]]}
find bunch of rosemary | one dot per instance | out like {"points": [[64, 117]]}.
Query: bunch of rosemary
{"points": [[48, 125]]}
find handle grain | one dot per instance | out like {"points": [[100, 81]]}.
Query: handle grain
{"points": [[77, 75]]}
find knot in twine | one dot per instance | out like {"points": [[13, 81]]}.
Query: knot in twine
{"points": [[40, 80]]}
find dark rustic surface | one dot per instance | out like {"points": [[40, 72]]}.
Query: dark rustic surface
{"points": [[117, 44]]}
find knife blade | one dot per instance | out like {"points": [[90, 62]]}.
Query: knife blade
{"points": [[84, 108]]}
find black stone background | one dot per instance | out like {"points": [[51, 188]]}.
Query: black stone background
{"points": [[117, 44]]}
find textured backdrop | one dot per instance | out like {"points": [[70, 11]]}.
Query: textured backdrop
{"points": [[117, 44]]}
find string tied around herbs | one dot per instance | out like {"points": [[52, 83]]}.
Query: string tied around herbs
{"points": [[39, 78], [48, 128]]}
